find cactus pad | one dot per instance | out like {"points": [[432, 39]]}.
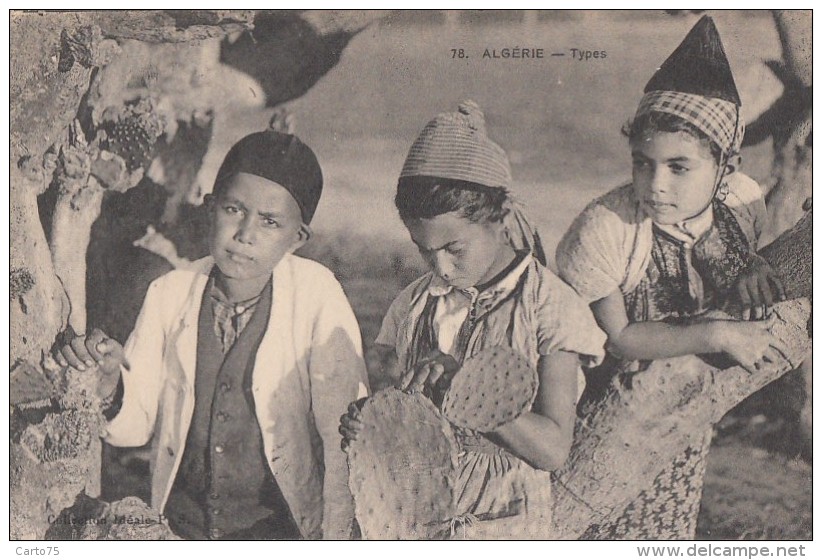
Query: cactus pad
{"points": [[492, 388], [130, 140], [402, 468]]}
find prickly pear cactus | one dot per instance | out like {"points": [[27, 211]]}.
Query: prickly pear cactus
{"points": [[402, 468], [132, 133], [493, 387], [132, 142]]}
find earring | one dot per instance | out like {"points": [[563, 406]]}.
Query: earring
{"points": [[722, 192]]}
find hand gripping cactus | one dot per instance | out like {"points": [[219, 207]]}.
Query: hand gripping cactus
{"points": [[403, 461], [402, 468]]}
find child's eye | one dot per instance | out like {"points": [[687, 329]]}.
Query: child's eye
{"points": [[230, 209], [271, 222], [640, 163], [678, 169], [427, 255], [456, 251]]}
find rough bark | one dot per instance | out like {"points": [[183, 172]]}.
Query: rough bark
{"points": [[91, 94], [787, 123], [75, 76], [52, 65], [643, 428], [791, 255], [38, 304], [54, 452]]}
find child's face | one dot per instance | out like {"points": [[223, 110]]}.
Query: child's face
{"points": [[459, 251], [254, 222], [674, 175]]}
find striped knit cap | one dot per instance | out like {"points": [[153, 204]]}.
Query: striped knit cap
{"points": [[456, 146]]}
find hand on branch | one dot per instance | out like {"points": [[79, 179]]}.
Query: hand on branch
{"points": [[758, 288]]}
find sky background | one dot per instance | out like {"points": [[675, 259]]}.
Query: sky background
{"points": [[558, 118]]}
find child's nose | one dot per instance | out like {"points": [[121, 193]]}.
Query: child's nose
{"points": [[659, 181], [444, 266], [246, 233]]}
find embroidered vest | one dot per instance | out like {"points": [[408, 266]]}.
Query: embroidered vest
{"points": [[718, 257]]}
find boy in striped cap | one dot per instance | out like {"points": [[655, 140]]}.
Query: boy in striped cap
{"points": [[678, 241], [487, 286]]}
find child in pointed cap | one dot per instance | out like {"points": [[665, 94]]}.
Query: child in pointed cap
{"points": [[487, 286], [676, 242], [240, 366]]}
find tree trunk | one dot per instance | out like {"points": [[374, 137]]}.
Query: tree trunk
{"points": [[83, 86], [39, 307], [788, 124], [644, 428]]}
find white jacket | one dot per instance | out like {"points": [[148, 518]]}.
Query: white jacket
{"points": [[308, 368]]}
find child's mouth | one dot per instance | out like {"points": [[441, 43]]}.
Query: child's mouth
{"points": [[238, 258], [659, 206]]}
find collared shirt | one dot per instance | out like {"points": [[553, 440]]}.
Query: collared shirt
{"points": [[528, 309], [230, 318], [223, 486], [455, 305], [309, 367]]}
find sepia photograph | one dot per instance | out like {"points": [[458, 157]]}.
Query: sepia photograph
{"points": [[411, 275]]}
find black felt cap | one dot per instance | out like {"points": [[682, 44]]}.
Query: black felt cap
{"points": [[698, 66], [281, 158]]}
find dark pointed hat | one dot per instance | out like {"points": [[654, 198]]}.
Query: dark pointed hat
{"points": [[698, 66]]}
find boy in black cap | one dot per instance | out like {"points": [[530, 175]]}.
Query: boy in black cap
{"points": [[241, 367]]}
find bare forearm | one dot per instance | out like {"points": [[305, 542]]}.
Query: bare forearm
{"points": [[542, 437], [653, 340], [535, 438]]}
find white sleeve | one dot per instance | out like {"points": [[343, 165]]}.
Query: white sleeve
{"points": [[134, 424], [591, 257], [747, 202], [338, 377]]}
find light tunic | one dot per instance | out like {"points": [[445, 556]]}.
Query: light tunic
{"points": [[608, 246], [664, 273], [529, 310]]}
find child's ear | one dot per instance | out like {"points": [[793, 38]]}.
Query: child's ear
{"points": [[209, 201], [732, 165], [503, 232], [303, 235], [506, 235]]}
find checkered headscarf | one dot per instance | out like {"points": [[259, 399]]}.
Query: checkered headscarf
{"points": [[717, 118]]}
